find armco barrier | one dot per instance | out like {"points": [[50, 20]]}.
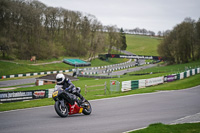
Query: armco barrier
{"points": [[50, 92], [188, 73], [178, 76], [182, 75], [142, 83], [34, 74], [134, 84], [130, 85], [126, 86]]}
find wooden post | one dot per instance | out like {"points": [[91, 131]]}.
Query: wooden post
{"points": [[85, 90], [105, 89]]}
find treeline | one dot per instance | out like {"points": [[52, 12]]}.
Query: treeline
{"points": [[30, 28], [140, 31], [182, 44]]}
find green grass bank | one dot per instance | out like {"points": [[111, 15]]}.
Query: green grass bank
{"points": [[178, 128], [142, 45]]}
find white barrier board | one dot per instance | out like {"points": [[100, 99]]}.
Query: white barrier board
{"points": [[154, 81], [142, 83], [126, 86]]}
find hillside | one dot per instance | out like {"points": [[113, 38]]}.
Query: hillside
{"points": [[142, 45]]}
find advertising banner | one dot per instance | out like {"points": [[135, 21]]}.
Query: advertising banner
{"points": [[22, 95], [170, 78], [15, 96], [154, 81], [129, 56], [38, 94]]}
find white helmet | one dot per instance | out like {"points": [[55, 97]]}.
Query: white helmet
{"points": [[60, 78]]}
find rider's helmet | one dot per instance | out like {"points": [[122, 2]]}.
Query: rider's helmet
{"points": [[60, 78]]}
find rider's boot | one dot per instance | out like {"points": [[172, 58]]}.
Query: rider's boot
{"points": [[81, 98]]}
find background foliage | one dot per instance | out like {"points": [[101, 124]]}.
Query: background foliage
{"points": [[182, 44], [30, 28]]}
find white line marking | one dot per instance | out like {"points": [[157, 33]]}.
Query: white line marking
{"points": [[134, 130]]}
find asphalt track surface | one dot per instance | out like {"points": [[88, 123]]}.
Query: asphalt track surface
{"points": [[113, 115], [16, 82], [122, 72]]}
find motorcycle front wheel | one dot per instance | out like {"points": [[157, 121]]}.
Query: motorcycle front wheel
{"points": [[87, 110], [61, 111]]}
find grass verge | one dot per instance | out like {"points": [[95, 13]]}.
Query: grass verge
{"points": [[178, 128], [176, 85]]}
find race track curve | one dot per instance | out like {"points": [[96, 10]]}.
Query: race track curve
{"points": [[113, 115]]}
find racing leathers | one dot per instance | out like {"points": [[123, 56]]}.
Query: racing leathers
{"points": [[70, 87]]}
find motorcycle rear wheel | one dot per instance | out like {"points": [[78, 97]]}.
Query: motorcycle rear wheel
{"points": [[61, 111], [88, 110]]}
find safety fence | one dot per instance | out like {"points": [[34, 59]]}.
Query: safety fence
{"points": [[142, 83], [114, 87], [104, 87]]}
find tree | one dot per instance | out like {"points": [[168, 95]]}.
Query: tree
{"points": [[28, 27], [182, 43], [159, 33], [197, 46], [113, 38], [123, 39]]}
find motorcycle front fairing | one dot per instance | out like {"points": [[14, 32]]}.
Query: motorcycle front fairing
{"points": [[60, 94]]}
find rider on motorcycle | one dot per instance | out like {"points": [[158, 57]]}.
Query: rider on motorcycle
{"points": [[68, 85]]}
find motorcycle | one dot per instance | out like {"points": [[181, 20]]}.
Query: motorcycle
{"points": [[67, 103]]}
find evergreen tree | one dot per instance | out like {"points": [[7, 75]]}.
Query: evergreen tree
{"points": [[123, 39]]}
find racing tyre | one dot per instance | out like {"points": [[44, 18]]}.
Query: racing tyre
{"points": [[87, 110], [61, 111]]}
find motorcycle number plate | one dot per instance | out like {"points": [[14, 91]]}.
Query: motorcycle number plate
{"points": [[55, 93], [81, 110]]}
